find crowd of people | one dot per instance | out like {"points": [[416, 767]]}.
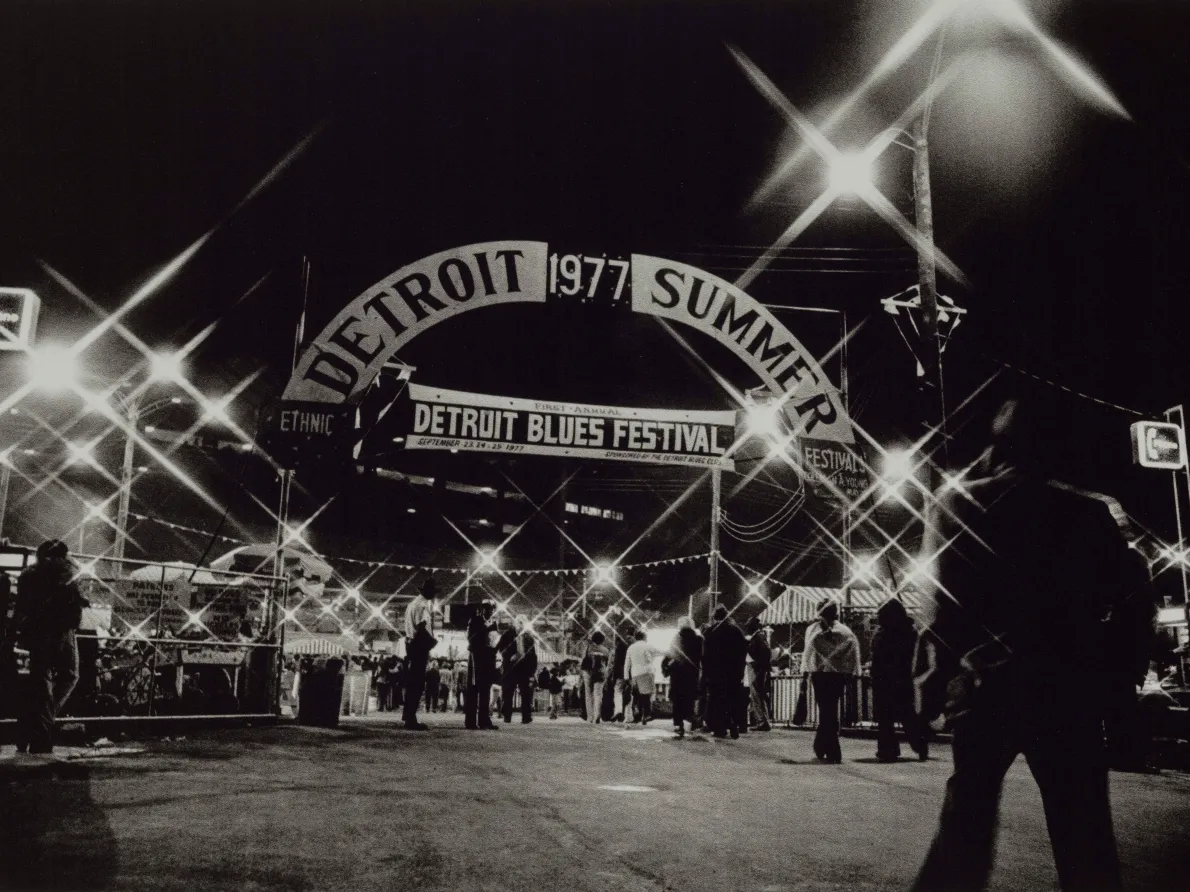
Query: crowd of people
{"points": [[719, 677]]}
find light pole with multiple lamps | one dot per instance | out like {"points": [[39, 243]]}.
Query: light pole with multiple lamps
{"points": [[133, 413], [55, 369]]}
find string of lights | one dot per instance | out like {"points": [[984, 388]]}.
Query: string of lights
{"points": [[1063, 387], [565, 571]]}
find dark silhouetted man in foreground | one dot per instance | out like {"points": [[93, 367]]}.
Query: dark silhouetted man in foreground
{"points": [[1032, 578], [48, 611]]}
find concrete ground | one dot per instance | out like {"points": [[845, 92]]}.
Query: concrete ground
{"points": [[554, 805]]}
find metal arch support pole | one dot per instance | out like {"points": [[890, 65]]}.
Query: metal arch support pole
{"points": [[157, 637], [716, 496], [282, 521], [126, 483]]}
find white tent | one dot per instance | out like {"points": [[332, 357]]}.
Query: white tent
{"points": [[308, 573], [181, 570]]}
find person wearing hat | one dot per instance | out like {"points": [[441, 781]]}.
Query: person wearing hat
{"points": [[481, 669], [49, 609], [724, 654], [831, 659], [419, 641], [760, 658], [518, 650]]}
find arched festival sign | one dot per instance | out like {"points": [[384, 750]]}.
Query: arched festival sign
{"points": [[336, 369]]}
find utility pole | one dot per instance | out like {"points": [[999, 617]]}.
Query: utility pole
{"points": [[716, 495], [933, 405]]}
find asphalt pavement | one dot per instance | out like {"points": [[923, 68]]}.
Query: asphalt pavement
{"points": [[545, 807]]}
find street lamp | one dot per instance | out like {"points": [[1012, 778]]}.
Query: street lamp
{"points": [[52, 368], [80, 453], [604, 574], [897, 466], [851, 173]]}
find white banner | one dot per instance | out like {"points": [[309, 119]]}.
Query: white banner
{"points": [[451, 419]]}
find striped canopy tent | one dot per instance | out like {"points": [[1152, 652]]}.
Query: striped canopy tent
{"points": [[320, 645], [799, 603]]}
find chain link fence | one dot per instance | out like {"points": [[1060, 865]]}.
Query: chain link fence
{"points": [[171, 639]]}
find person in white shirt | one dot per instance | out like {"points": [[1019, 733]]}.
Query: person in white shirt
{"points": [[831, 658], [638, 677], [419, 641]]}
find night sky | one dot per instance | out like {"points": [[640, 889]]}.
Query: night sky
{"points": [[131, 128]]}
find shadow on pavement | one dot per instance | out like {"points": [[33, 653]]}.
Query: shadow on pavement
{"points": [[54, 835]]}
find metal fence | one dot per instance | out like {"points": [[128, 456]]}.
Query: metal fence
{"points": [[855, 707], [169, 639]]}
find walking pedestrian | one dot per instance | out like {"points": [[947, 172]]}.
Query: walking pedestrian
{"points": [[593, 670], [481, 669], [383, 687], [892, 683], [570, 683], [700, 701], [638, 677], [433, 686], [760, 658], [831, 660], [683, 663], [1032, 577], [724, 653], [49, 609], [460, 685], [553, 684], [518, 648], [622, 701], [419, 641]]}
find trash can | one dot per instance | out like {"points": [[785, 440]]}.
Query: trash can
{"points": [[320, 692]]}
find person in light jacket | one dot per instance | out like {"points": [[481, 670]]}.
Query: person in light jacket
{"points": [[419, 641], [831, 659], [760, 658], [638, 677]]}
